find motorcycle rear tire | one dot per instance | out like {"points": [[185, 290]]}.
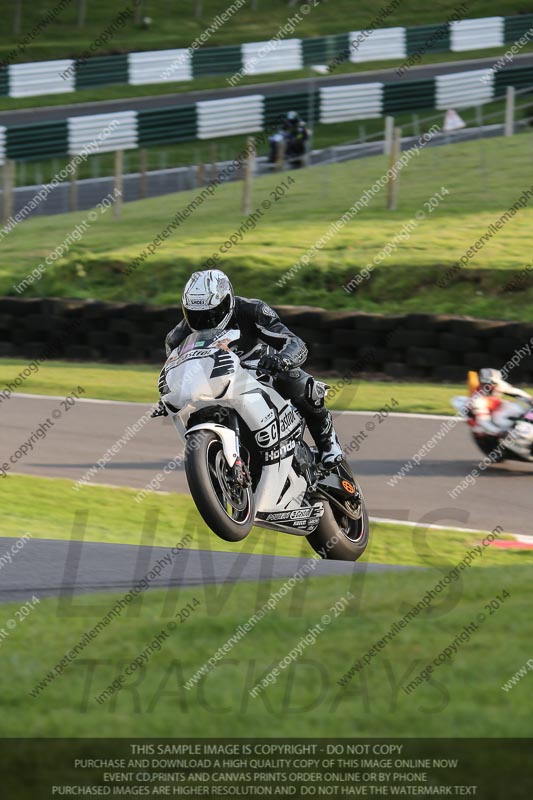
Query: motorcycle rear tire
{"points": [[489, 447]]}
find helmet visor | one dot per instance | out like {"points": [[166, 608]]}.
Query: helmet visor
{"points": [[203, 319]]}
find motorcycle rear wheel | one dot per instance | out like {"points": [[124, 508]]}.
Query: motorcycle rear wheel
{"points": [[338, 537], [227, 510], [489, 446]]}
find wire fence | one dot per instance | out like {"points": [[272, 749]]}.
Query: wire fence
{"points": [[482, 122]]}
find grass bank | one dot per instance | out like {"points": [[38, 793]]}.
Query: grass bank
{"points": [[51, 509], [173, 26], [482, 180], [462, 698]]}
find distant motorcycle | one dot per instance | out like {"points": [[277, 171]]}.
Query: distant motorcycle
{"points": [[290, 143], [494, 446], [246, 460]]}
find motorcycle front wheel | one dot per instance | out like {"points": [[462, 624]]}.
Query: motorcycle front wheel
{"points": [[228, 509]]}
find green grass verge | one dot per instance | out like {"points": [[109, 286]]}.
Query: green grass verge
{"points": [[53, 509], [174, 25], [138, 383], [483, 180], [463, 697]]}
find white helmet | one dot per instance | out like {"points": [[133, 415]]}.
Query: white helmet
{"points": [[490, 377], [208, 300]]}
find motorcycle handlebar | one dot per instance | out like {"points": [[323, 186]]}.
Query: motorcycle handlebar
{"points": [[249, 365]]}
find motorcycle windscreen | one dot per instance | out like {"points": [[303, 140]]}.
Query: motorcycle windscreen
{"points": [[211, 337], [200, 368]]}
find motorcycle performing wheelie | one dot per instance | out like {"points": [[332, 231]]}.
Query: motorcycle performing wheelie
{"points": [[246, 460]]}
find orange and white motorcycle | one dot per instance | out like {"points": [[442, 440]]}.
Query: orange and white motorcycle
{"points": [[502, 428]]}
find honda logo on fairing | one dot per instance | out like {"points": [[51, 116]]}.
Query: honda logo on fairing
{"points": [[281, 452]]}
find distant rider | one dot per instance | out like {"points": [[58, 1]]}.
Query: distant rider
{"points": [[209, 302], [294, 134], [496, 416]]}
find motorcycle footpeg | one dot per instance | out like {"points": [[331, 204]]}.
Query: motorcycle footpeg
{"points": [[332, 466]]}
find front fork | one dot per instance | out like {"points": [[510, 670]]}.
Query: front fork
{"points": [[239, 473]]}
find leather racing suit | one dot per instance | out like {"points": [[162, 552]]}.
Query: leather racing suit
{"points": [[261, 328]]}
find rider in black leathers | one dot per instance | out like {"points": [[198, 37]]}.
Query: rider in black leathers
{"points": [[260, 325], [294, 134]]}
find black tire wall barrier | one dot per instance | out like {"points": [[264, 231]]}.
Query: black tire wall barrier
{"points": [[426, 346]]}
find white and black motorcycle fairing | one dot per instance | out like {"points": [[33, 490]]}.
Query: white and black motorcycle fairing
{"points": [[246, 461]]}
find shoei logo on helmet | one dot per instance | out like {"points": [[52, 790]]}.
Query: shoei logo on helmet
{"points": [[350, 488]]}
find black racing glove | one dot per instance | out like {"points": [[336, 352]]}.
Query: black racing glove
{"points": [[160, 411], [273, 364]]}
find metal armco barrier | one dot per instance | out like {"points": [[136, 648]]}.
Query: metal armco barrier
{"points": [[251, 113]]}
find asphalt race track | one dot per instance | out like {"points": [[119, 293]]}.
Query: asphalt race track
{"points": [[50, 113], [81, 436], [48, 567]]}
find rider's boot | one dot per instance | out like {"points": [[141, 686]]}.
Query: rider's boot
{"points": [[323, 433]]}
